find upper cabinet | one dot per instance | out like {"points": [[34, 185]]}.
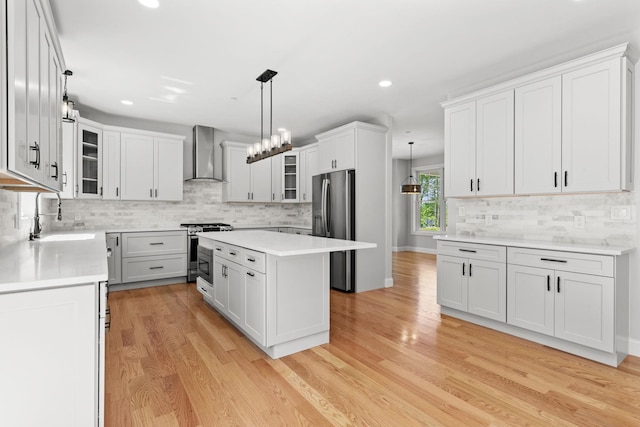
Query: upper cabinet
{"points": [[32, 99], [308, 159], [245, 182], [290, 177], [479, 147], [563, 129], [337, 150], [89, 161]]}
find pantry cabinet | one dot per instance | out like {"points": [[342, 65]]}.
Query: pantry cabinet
{"points": [[32, 69], [572, 124]]}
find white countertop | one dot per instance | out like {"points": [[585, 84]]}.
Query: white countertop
{"points": [[259, 226], [554, 246], [284, 244], [50, 262]]}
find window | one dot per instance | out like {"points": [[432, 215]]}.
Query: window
{"points": [[430, 214]]}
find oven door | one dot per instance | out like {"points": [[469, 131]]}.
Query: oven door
{"points": [[192, 255], [205, 264]]}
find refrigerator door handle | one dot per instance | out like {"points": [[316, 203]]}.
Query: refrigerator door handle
{"points": [[324, 206], [327, 218]]}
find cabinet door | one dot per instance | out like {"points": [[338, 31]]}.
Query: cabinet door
{"points": [[110, 165], [345, 150], [276, 178], [220, 285], [487, 289], [494, 145], [254, 306], [136, 167], [114, 261], [260, 181], [311, 169], [168, 169], [452, 282], [327, 154], [89, 162], [49, 357], [584, 308], [235, 277], [68, 172], [530, 298], [55, 122], [591, 132], [538, 133], [460, 150], [290, 177], [237, 175]]}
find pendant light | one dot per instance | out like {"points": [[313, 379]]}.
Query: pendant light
{"points": [[275, 143], [67, 106], [411, 185]]}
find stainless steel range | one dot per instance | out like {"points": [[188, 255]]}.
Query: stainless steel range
{"points": [[192, 247]]}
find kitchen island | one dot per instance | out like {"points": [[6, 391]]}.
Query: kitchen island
{"points": [[274, 287]]}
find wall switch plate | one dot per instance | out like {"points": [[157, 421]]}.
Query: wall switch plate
{"points": [[461, 211], [579, 221], [488, 219], [78, 216], [621, 212]]}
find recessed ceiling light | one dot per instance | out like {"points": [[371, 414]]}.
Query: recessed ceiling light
{"points": [[150, 3], [385, 83], [126, 102]]}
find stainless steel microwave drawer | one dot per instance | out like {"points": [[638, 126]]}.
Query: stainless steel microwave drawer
{"points": [[600, 265], [154, 243], [153, 267]]}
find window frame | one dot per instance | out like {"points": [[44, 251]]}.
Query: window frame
{"points": [[415, 202]]}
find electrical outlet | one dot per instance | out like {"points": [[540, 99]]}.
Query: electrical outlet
{"points": [[461, 211], [579, 221], [488, 219], [78, 216], [621, 212]]}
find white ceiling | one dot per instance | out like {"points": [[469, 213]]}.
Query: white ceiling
{"points": [[196, 61]]}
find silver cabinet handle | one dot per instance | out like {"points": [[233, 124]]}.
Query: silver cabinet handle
{"points": [[64, 178], [55, 165]]}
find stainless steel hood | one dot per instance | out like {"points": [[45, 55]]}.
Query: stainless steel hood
{"points": [[206, 162]]}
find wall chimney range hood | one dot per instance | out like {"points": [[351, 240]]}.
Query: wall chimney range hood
{"points": [[206, 167]]}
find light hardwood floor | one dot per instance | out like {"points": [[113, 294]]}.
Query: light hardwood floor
{"points": [[393, 360]]}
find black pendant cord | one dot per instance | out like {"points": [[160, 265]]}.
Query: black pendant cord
{"points": [[261, 112], [271, 108]]}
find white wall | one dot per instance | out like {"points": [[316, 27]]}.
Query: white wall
{"points": [[8, 211]]}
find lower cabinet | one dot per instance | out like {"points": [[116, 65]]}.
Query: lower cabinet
{"points": [[473, 284], [114, 261], [574, 301]]}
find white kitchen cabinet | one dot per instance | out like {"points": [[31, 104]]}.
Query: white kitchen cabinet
{"points": [[153, 255], [308, 168], [150, 167], [559, 301], [255, 309], [31, 101], [479, 147], [69, 150], [337, 149], [538, 137], [89, 160], [592, 142], [276, 179], [245, 182], [110, 165], [290, 177], [474, 281], [49, 364], [220, 284], [235, 277], [114, 260]]}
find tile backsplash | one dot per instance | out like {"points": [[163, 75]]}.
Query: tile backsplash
{"points": [[8, 212], [554, 218], [202, 202]]}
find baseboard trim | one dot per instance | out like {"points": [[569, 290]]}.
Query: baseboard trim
{"points": [[634, 347], [147, 284], [388, 282], [431, 251]]}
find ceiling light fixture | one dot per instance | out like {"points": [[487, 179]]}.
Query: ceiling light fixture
{"points": [[411, 185], [151, 4], [276, 144], [67, 106], [126, 102], [385, 83]]}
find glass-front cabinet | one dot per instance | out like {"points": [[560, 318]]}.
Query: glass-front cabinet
{"points": [[291, 178], [89, 161]]}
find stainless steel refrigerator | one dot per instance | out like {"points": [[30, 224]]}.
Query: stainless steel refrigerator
{"points": [[334, 217]]}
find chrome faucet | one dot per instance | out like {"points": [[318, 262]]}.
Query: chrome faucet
{"points": [[37, 226]]}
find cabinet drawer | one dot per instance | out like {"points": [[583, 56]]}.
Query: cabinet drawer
{"points": [[473, 251], [601, 265], [153, 267], [154, 243], [228, 252], [204, 287], [254, 260]]}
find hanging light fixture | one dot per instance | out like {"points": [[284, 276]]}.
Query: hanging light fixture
{"points": [[275, 143], [67, 106], [411, 185]]}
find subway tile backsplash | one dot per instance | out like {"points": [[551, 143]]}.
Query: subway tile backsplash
{"points": [[550, 218], [202, 202]]}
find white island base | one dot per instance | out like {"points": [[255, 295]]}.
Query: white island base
{"points": [[273, 286]]}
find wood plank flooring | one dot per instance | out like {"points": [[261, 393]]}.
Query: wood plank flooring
{"points": [[392, 360]]}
